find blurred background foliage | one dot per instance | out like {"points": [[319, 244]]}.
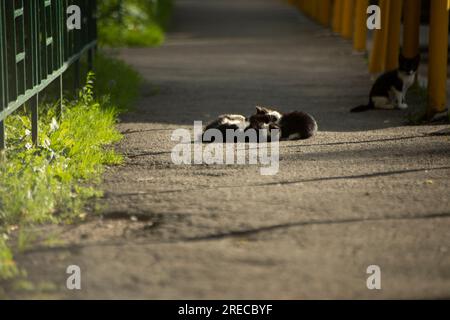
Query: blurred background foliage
{"points": [[133, 23]]}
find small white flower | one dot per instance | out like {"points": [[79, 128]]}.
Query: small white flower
{"points": [[27, 132], [54, 125], [28, 146], [39, 170], [46, 143]]}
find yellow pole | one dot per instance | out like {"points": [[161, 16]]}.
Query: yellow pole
{"points": [[292, 2], [304, 6], [337, 16], [393, 42], [411, 28], [347, 18], [310, 5], [438, 52], [312, 8], [360, 34], [301, 5], [317, 9], [378, 53], [325, 10]]}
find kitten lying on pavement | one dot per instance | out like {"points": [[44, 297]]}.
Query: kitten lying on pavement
{"points": [[228, 121], [293, 126], [235, 122]]}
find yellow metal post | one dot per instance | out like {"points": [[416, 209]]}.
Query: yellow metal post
{"points": [[319, 8], [438, 54], [393, 42], [302, 5], [360, 33], [291, 2], [411, 28], [325, 11], [310, 8], [337, 16], [347, 18], [378, 53], [316, 9]]}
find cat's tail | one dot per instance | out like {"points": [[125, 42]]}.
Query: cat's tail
{"points": [[362, 108]]}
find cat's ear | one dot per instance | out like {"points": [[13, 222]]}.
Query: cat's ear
{"points": [[259, 110]]}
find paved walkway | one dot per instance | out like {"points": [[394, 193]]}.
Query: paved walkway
{"points": [[366, 191]]}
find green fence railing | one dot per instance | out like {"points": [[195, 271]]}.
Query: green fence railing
{"points": [[36, 48]]}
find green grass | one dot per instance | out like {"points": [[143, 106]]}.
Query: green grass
{"points": [[52, 182], [139, 23]]}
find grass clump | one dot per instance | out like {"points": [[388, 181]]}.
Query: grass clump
{"points": [[51, 183], [135, 23], [8, 268]]}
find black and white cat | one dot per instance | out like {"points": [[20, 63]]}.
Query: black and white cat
{"points": [[292, 126], [389, 90], [295, 125], [229, 121], [225, 122]]}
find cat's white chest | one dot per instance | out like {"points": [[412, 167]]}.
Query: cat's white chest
{"points": [[408, 80]]}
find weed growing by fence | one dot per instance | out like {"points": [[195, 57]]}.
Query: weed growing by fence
{"points": [[51, 183]]}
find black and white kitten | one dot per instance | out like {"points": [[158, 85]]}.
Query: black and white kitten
{"points": [[295, 125], [389, 90], [227, 121], [292, 126]]}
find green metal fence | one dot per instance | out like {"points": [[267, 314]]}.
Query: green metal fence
{"points": [[36, 48]]}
